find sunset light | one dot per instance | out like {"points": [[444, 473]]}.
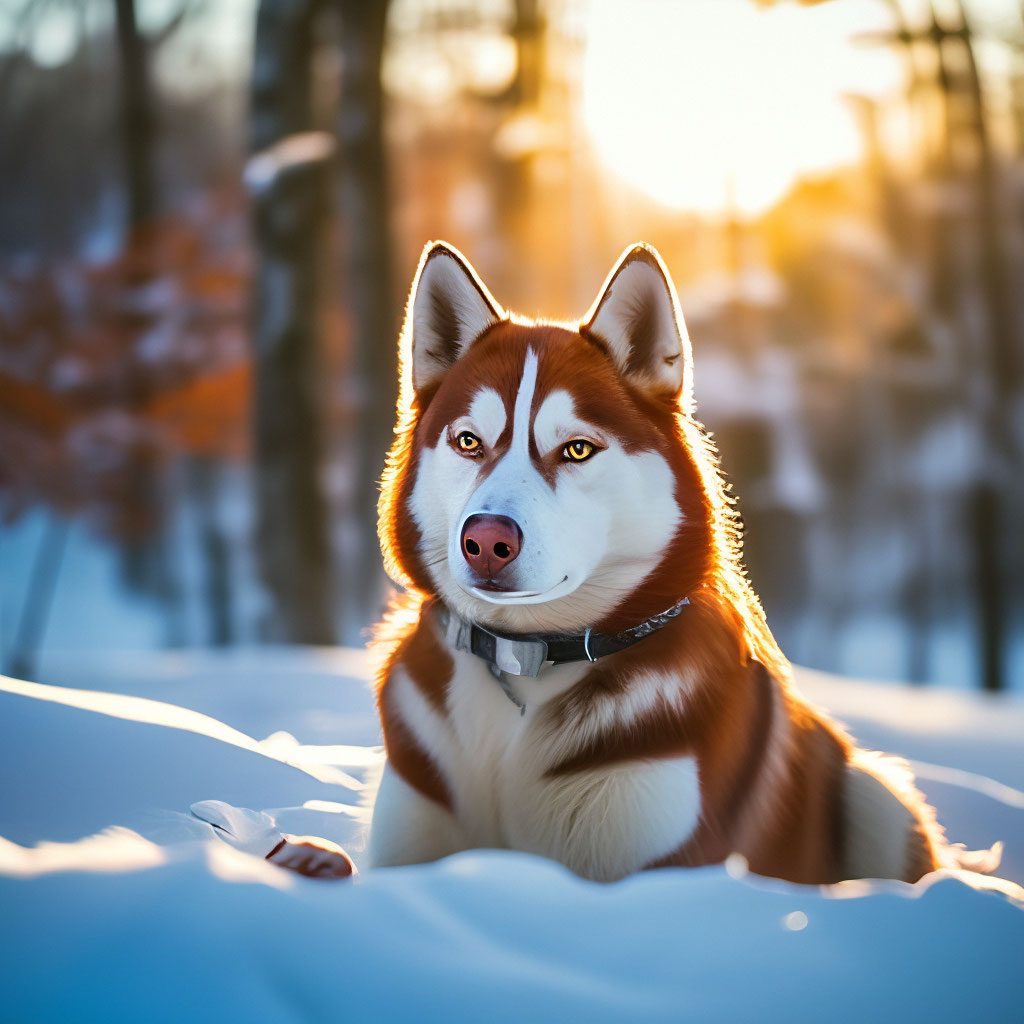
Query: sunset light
{"points": [[511, 508], [714, 104]]}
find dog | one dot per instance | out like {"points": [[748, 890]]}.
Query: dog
{"points": [[579, 668]]}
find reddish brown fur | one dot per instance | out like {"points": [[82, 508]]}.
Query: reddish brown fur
{"points": [[734, 681], [568, 360], [408, 758], [409, 636]]}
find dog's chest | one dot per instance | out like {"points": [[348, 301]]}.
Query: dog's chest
{"points": [[603, 823], [499, 753]]}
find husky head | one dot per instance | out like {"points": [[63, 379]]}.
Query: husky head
{"points": [[547, 477]]}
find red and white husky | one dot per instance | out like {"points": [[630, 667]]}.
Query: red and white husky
{"points": [[581, 669]]}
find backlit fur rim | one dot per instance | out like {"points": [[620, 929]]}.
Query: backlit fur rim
{"points": [[728, 577], [641, 252], [408, 411]]}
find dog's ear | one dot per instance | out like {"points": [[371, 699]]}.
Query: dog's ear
{"points": [[449, 307], [636, 314]]}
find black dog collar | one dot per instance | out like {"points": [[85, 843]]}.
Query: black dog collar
{"points": [[524, 654]]}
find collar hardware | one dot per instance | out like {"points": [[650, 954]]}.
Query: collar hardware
{"points": [[525, 655], [519, 657]]}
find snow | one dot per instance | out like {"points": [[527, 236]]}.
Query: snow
{"points": [[265, 168], [118, 906]]}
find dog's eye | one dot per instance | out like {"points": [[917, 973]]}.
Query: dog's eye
{"points": [[468, 443], [578, 450]]}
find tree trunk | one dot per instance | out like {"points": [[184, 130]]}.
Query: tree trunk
{"points": [[289, 181], [143, 561], [28, 642], [137, 121], [204, 478], [992, 505], [373, 306]]}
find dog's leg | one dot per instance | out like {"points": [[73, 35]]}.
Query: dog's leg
{"points": [[408, 828], [256, 833], [312, 856]]}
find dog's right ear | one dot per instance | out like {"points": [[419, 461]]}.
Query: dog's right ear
{"points": [[448, 309]]}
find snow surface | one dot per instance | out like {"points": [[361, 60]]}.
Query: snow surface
{"points": [[117, 906]]}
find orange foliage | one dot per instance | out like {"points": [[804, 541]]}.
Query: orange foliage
{"points": [[208, 415], [33, 405], [108, 370]]}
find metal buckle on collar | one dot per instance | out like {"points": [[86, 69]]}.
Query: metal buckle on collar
{"points": [[519, 657]]}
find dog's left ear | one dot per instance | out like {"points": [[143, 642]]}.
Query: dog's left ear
{"points": [[448, 309], [637, 315]]}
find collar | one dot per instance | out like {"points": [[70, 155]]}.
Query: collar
{"points": [[524, 654]]}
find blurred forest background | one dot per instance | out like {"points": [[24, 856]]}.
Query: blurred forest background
{"points": [[211, 210]]}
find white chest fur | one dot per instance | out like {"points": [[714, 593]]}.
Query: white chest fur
{"points": [[603, 823]]}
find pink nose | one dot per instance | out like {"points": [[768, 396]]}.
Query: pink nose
{"points": [[489, 543]]}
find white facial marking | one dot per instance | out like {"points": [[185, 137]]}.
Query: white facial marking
{"points": [[556, 422], [487, 415], [524, 402], [588, 538]]}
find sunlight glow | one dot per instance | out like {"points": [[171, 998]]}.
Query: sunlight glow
{"points": [[112, 850], [715, 104], [142, 709], [231, 865]]}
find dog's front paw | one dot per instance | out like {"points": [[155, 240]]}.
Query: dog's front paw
{"points": [[312, 857]]}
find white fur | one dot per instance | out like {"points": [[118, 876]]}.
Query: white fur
{"points": [[524, 403], [486, 417], [603, 824], [407, 828], [587, 542], [432, 730], [878, 824], [611, 822], [646, 691], [556, 422]]}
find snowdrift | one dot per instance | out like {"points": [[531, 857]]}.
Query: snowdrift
{"points": [[118, 906]]}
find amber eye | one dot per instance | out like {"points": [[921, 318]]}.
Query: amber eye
{"points": [[468, 443], [578, 450]]}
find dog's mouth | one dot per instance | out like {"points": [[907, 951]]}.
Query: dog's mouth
{"points": [[497, 588], [496, 594]]}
